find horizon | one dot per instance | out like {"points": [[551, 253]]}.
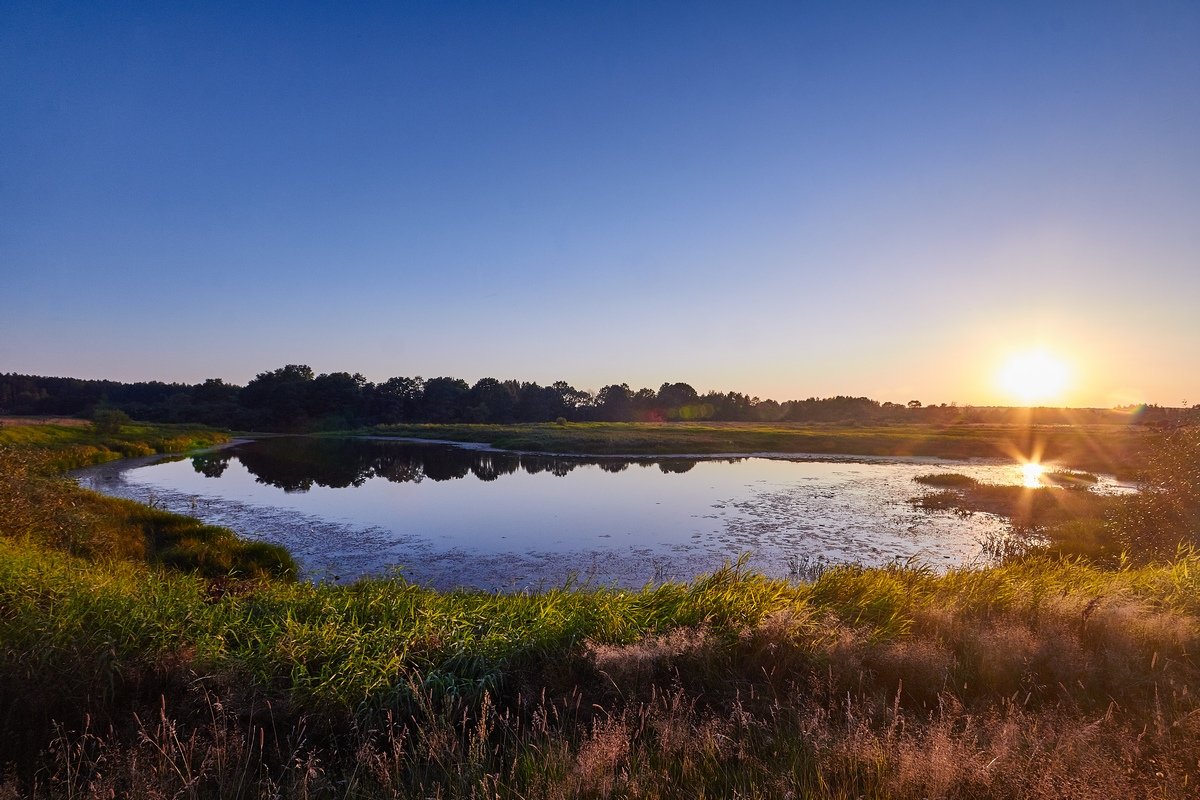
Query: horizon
{"points": [[977, 205], [701, 390]]}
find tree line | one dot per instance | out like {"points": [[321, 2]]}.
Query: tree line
{"points": [[293, 398]]}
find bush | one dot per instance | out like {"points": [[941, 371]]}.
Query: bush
{"points": [[1165, 514], [109, 420]]}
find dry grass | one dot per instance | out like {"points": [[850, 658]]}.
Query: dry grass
{"points": [[848, 718], [71, 422]]}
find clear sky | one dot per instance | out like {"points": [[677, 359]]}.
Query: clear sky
{"points": [[787, 199]]}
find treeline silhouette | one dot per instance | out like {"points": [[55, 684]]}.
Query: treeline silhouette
{"points": [[293, 399], [296, 464]]}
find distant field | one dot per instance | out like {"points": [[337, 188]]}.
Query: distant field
{"points": [[1101, 448], [12, 422]]}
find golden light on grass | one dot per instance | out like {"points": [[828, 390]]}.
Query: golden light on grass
{"points": [[1034, 376]]}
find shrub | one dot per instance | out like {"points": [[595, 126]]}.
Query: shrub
{"points": [[109, 420], [1165, 514]]}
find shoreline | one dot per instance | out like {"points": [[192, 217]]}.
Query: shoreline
{"points": [[775, 455]]}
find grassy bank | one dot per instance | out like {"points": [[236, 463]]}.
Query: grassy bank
{"points": [[1043, 677], [39, 507], [63, 447], [1100, 448]]}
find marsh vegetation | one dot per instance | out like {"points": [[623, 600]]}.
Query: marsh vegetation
{"points": [[1045, 676]]}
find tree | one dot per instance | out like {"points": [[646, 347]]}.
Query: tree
{"points": [[444, 399], [214, 390], [571, 397], [675, 395], [280, 395], [615, 402], [336, 394], [494, 401], [538, 403], [109, 420], [397, 400]]}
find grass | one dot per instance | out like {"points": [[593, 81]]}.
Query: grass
{"points": [[1054, 521], [854, 685], [1041, 677], [1070, 520], [68, 446], [947, 479], [37, 506], [1101, 448], [1070, 478]]}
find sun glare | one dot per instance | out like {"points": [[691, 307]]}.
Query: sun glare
{"points": [[1035, 376], [1031, 475]]}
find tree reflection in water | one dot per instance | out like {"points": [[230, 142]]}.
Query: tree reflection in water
{"points": [[297, 463]]}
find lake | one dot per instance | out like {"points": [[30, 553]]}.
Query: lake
{"points": [[451, 516]]}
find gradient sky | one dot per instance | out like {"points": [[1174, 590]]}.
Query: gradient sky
{"points": [[787, 199]]}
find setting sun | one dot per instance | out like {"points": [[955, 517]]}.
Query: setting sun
{"points": [[1034, 376]]}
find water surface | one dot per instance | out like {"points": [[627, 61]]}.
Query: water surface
{"points": [[451, 516]]}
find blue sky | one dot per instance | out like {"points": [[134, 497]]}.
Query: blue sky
{"points": [[787, 199]]}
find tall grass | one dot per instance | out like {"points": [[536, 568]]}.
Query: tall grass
{"points": [[857, 683], [1041, 677]]}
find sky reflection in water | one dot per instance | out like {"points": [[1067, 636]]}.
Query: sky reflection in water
{"points": [[457, 517]]}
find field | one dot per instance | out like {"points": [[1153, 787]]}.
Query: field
{"points": [[126, 674]]}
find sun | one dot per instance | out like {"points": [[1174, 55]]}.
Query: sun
{"points": [[1034, 376]]}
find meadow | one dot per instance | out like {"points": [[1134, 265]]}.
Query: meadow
{"points": [[125, 673]]}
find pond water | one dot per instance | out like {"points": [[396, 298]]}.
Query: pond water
{"points": [[453, 516]]}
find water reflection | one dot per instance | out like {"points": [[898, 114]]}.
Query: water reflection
{"points": [[351, 507], [297, 464]]}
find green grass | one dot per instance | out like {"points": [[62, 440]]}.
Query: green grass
{"points": [[70, 446], [38, 506], [1101, 448], [1041, 677], [500, 679]]}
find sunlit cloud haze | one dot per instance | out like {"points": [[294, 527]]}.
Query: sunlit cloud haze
{"points": [[792, 199]]}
